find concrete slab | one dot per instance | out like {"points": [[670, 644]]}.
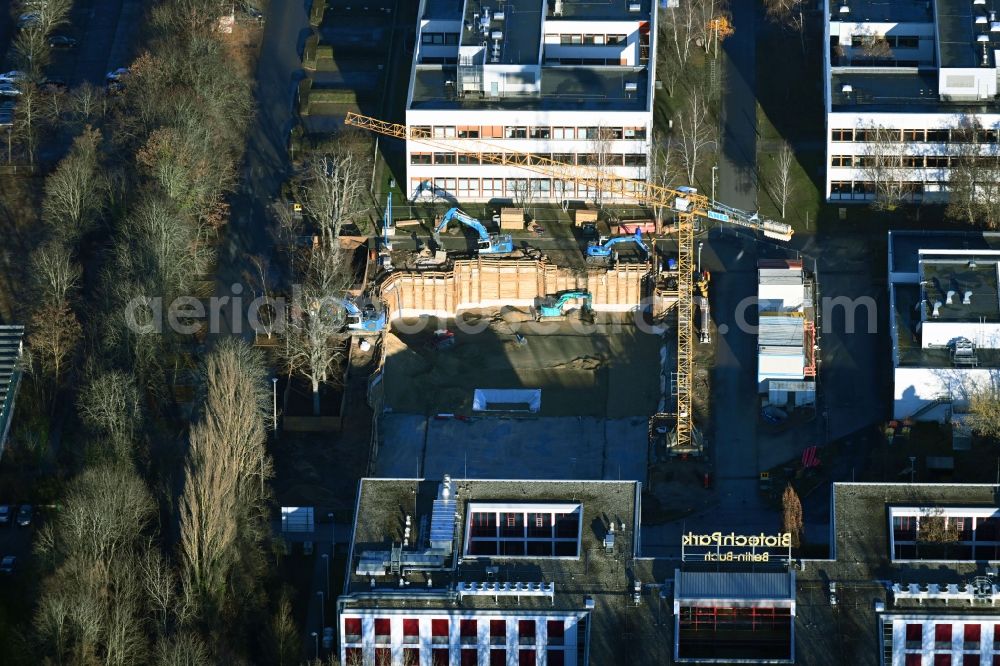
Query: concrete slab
{"points": [[505, 448]]}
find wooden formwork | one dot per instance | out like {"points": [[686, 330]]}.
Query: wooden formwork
{"points": [[480, 282]]}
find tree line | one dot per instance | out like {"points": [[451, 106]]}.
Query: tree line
{"points": [[159, 547]]}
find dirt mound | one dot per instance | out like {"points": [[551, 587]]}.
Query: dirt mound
{"points": [[590, 363]]}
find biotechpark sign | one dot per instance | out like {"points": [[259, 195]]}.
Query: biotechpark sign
{"points": [[732, 547]]}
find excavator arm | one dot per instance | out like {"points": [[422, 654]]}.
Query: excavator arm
{"points": [[604, 250], [488, 243]]}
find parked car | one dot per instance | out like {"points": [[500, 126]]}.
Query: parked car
{"points": [[13, 76], [4, 508], [29, 19], [8, 90], [117, 74], [7, 564], [61, 42], [52, 85], [24, 515]]}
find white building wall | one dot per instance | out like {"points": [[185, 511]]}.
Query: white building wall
{"points": [[915, 388], [455, 646], [519, 118], [896, 120], [928, 647]]}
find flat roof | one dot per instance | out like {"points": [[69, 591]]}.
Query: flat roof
{"points": [[883, 11], [443, 10], [563, 88], [734, 585], [941, 276], [611, 10], [895, 89], [958, 32], [520, 29], [905, 246], [607, 578]]}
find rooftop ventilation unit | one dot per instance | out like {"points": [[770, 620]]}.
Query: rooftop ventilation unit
{"points": [[937, 309], [982, 39], [995, 26], [844, 9], [978, 2], [443, 517], [847, 89], [950, 297], [558, 10], [967, 298], [497, 34], [634, 7], [981, 20], [631, 86], [498, 16]]}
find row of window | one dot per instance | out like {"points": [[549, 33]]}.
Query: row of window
{"points": [[586, 40], [528, 132], [594, 62], [468, 629], [509, 188], [907, 161], [439, 38], [894, 41], [917, 659], [843, 189], [609, 159], [440, 657], [955, 135]]}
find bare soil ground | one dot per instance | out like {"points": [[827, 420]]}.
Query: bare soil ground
{"points": [[605, 368]]}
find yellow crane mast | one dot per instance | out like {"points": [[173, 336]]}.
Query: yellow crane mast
{"points": [[685, 201]]}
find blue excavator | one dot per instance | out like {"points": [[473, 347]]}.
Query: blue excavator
{"points": [[368, 320], [487, 244], [600, 251], [554, 310]]}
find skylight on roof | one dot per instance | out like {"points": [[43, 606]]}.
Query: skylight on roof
{"points": [[523, 530]]}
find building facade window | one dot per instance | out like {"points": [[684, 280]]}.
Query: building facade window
{"points": [[516, 133], [843, 134]]}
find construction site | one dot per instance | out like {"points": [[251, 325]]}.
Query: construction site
{"points": [[535, 352]]}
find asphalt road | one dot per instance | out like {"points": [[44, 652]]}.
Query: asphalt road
{"points": [[266, 165], [737, 178]]}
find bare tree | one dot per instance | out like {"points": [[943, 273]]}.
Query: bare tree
{"points": [[695, 134], [55, 274], [221, 507], [883, 166], [601, 158], [28, 118], [53, 337], [284, 636], [874, 47], [48, 14], [182, 649], [331, 189], [663, 170], [788, 13], [782, 179], [109, 405], [973, 176], [73, 193], [31, 46], [677, 31], [791, 515], [314, 332]]}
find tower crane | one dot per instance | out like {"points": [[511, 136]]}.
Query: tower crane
{"points": [[687, 202]]}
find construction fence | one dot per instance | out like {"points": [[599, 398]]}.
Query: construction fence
{"points": [[484, 283]]}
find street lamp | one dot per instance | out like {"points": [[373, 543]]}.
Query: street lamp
{"points": [[322, 608], [316, 642], [714, 169], [333, 533], [274, 402], [326, 559], [701, 245]]}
